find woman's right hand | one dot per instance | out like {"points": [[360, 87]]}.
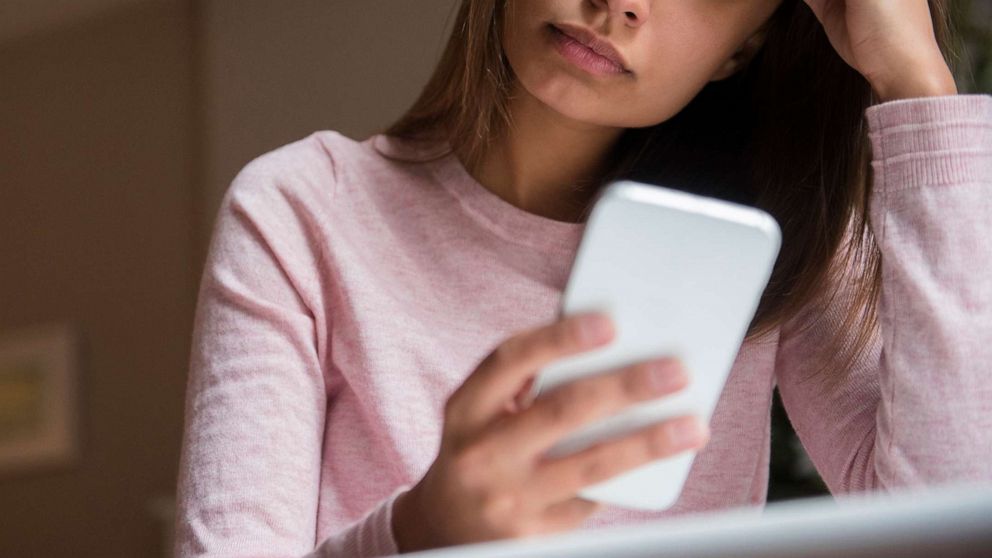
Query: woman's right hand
{"points": [[490, 479]]}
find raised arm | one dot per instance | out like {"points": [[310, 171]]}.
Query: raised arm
{"points": [[917, 408]]}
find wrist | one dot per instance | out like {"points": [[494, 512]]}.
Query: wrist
{"points": [[923, 83]]}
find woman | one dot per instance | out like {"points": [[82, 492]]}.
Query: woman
{"points": [[371, 312]]}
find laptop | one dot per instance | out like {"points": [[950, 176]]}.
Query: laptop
{"points": [[946, 521]]}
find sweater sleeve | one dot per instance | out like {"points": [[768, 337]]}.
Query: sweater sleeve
{"points": [[257, 390], [916, 408]]}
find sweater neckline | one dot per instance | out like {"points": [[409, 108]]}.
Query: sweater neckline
{"points": [[497, 215]]}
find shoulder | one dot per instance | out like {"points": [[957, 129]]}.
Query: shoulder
{"points": [[310, 167], [320, 167], [325, 179], [282, 201], [274, 220], [300, 187]]}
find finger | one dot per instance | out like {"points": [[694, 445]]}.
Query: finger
{"points": [[559, 478], [815, 6], [568, 514], [818, 7], [501, 375], [582, 401]]}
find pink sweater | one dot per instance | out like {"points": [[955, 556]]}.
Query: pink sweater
{"points": [[346, 296]]}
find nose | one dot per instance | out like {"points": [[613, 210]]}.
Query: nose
{"points": [[633, 12]]}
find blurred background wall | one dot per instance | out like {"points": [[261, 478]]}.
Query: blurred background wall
{"points": [[97, 231], [122, 122], [275, 71]]}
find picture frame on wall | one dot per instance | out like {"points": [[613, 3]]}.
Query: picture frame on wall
{"points": [[38, 398]]}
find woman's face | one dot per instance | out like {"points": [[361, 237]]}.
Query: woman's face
{"points": [[669, 52]]}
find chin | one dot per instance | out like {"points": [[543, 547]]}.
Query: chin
{"points": [[577, 101]]}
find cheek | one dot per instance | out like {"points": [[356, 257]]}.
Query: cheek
{"points": [[675, 65]]}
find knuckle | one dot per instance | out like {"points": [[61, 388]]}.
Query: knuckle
{"points": [[557, 406], [636, 383], [586, 393], [557, 335], [598, 467], [499, 509], [568, 335], [658, 441]]}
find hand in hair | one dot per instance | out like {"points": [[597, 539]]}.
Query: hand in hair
{"points": [[892, 44]]}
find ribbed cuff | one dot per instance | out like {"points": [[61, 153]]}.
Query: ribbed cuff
{"points": [[931, 141], [370, 537]]}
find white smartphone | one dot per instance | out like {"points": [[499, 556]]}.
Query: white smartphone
{"points": [[680, 275]]}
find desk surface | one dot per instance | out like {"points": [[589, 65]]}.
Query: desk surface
{"points": [[947, 521]]}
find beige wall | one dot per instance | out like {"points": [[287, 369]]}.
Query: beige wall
{"points": [[96, 230], [275, 71], [20, 18], [120, 128]]}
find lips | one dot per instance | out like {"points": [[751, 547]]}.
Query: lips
{"points": [[593, 42]]}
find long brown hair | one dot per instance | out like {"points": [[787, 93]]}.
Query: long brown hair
{"points": [[785, 133]]}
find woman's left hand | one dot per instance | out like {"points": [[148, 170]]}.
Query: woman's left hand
{"points": [[892, 44]]}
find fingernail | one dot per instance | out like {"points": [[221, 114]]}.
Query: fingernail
{"points": [[687, 431], [594, 327]]}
